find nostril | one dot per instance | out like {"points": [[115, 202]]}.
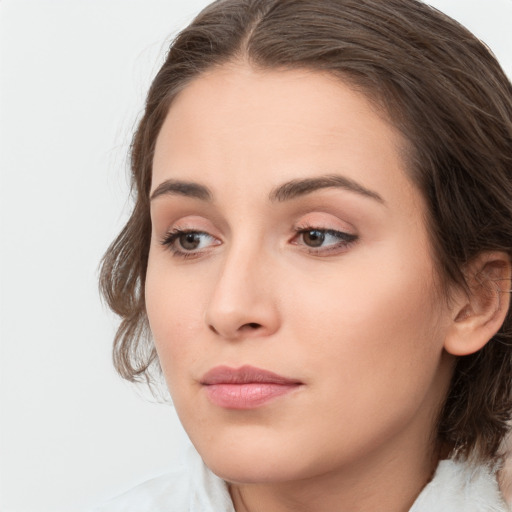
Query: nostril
{"points": [[251, 326]]}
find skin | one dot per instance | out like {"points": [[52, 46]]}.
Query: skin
{"points": [[361, 325]]}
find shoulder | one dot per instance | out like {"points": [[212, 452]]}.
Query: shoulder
{"points": [[190, 486], [460, 487], [150, 496]]}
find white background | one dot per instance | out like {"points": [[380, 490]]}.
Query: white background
{"points": [[73, 75]]}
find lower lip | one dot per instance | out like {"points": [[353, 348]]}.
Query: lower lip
{"points": [[246, 396]]}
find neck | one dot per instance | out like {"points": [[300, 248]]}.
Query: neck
{"points": [[391, 483]]}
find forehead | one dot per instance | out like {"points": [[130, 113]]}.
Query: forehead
{"points": [[261, 127]]}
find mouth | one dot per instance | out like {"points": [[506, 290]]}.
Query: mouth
{"points": [[246, 387]]}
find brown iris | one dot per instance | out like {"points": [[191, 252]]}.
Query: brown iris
{"points": [[190, 241], [313, 238]]}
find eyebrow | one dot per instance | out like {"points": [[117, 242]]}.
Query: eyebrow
{"points": [[285, 192], [301, 187], [182, 188]]}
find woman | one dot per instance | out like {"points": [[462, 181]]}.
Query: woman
{"points": [[321, 250]]}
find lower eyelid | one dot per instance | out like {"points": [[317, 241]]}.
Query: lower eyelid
{"points": [[334, 249]]}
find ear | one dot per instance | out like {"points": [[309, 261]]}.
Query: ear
{"points": [[477, 316]]}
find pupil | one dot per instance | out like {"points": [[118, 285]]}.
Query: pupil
{"points": [[189, 241], [314, 238]]}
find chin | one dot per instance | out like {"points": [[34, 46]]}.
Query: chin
{"points": [[262, 455], [243, 468], [250, 458]]}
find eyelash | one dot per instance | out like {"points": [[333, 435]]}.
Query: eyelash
{"points": [[346, 240], [172, 236]]}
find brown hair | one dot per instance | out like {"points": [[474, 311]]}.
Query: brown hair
{"points": [[444, 91]]}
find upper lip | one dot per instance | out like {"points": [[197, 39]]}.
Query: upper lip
{"points": [[244, 375]]}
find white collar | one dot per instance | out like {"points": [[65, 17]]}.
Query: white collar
{"points": [[459, 486], [192, 487]]}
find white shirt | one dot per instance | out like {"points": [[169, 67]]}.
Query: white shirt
{"points": [[192, 487]]}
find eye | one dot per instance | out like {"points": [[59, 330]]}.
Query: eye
{"points": [[187, 243], [320, 241], [314, 238]]}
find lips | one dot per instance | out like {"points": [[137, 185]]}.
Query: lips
{"points": [[246, 387]]}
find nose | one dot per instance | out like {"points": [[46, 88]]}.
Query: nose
{"points": [[243, 302]]}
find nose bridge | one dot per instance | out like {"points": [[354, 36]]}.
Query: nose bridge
{"points": [[241, 300]]}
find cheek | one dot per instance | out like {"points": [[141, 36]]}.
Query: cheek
{"points": [[174, 307], [371, 345], [374, 323]]}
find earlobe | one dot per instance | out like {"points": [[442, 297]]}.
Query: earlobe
{"points": [[479, 314]]}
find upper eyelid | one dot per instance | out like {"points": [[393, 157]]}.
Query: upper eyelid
{"points": [[346, 231], [344, 235], [185, 226], [176, 232], [299, 228]]}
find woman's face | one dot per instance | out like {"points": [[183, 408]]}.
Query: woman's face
{"points": [[291, 290]]}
